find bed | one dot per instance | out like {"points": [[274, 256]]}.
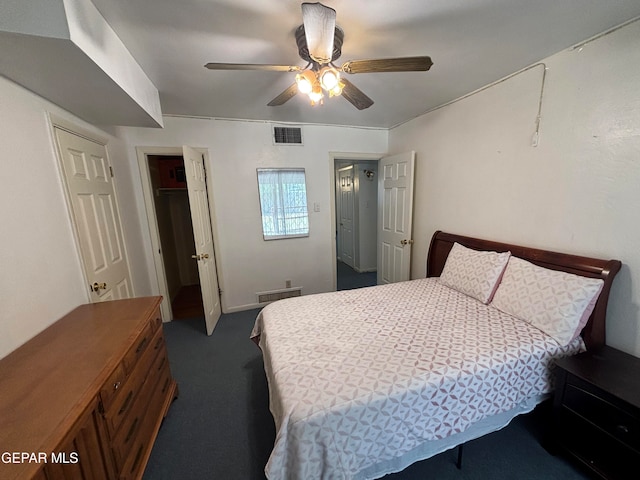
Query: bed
{"points": [[366, 382]]}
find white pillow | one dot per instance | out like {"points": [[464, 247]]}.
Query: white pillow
{"points": [[558, 303], [472, 272]]}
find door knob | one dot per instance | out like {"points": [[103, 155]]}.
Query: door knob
{"points": [[196, 257], [204, 255], [406, 242], [97, 286]]}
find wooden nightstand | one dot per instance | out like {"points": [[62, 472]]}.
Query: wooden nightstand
{"points": [[596, 411]]}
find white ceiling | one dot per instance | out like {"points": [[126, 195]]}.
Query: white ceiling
{"points": [[472, 43]]}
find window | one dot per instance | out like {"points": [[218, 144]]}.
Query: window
{"points": [[283, 203]]}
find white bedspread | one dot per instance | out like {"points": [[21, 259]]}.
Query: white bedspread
{"points": [[362, 377]]}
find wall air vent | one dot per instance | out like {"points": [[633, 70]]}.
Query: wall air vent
{"points": [[287, 135], [267, 297]]}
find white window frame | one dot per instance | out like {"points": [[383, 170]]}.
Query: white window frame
{"points": [[278, 234]]}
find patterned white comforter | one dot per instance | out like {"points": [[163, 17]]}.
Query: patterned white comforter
{"points": [[363, 376]]}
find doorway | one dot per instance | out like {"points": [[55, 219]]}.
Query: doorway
{"points": [[356, 214], [177, 243]]}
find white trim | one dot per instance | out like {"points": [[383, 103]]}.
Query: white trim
{"points": [[242, 308], [67, 125]]}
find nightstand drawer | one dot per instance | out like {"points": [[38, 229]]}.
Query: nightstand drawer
{"points": [[603, 414], [594, 448]]}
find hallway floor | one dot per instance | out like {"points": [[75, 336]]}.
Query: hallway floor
{"points": [[348, 278]]}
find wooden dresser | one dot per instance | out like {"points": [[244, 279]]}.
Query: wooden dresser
{"points": [[85, 398]]}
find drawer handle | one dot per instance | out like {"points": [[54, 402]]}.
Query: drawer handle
{"points": [[622, 429], [158, 344], [126, 403], [116, 386], [141, 345], [164, 359], [131, 430]]}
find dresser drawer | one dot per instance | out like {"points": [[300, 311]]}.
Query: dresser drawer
{"points": [[140, 448], [113, 386], [125, 438], [610, 418], [125, 400], [137, 350], [156, 320]]}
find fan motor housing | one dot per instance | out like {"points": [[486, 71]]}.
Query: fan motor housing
{"points": [[303, 51]]}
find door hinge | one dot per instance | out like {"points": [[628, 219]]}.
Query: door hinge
{"points": [[111, 170], [219, 291]]}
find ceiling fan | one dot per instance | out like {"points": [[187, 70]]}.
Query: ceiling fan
{"points": [[319, 42]]}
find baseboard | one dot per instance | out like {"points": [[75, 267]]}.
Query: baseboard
{"points": [[242, 308], [366, 270]]}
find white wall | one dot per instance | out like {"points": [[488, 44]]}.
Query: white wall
{"points": [[41, 277], [578, 191], [248, 264]]}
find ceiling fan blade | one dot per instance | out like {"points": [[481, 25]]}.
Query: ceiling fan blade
{"points": [[355, 96], [319, 27], [285, 96], [253, 66], [404, 64]]}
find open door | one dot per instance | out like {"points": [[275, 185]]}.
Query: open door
{"points": [[202, 232], [395, 217]]}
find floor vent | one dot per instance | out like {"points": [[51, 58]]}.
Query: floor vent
{"points": [[266, 297], [287, 135]]}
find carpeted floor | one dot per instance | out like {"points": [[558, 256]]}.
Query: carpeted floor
{"points": [[220, 426], [348, 278]]}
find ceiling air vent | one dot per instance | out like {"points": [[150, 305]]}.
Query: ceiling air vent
{"points": [[287, 135]]}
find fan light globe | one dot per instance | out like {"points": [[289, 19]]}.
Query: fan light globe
{"points": [[337, 90], [329, 78], [316, 94], [305, 81]]}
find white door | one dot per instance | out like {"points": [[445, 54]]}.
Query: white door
{"points": [[346, 189], [395, 216], [202, 233], [95, 214]]}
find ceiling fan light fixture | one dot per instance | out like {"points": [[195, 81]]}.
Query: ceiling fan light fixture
{"points": [[329, 78], [316, 94], [337, 90], [305, 81]]}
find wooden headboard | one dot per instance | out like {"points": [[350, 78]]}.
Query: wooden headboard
{"points": [[594, 332]]}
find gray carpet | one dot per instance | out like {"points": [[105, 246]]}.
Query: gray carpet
{"points": [[220, 427], [348, 278]]}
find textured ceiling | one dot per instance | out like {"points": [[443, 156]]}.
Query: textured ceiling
{"points": [[472, 43]]}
